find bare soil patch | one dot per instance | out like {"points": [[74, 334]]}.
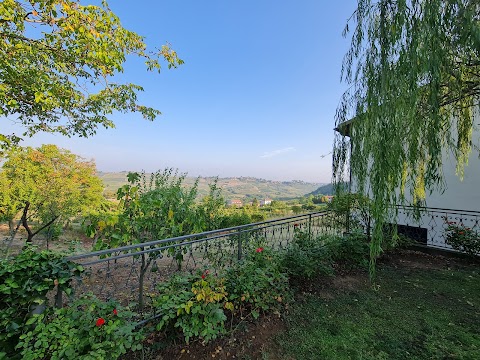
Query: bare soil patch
{"points": [[250, 341]]}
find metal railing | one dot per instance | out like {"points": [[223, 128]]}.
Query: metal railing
{"points": [[129, 274], [429, 225]]}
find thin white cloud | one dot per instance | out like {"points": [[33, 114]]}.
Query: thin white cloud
{"points": [[277, 152]]}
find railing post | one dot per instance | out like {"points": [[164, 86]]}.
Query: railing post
{"points": [[347, 220], [239, 247], [59, 298], [310, 226]]}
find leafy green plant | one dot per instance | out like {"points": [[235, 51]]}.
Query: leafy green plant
{"points": [[87, 329], [195, 304], [350, 251], [45, 186], [53, 232], [306, 257], [25, 280], [257, 283], [159, 206], [352, 211], [234, 217], [462, 238]]}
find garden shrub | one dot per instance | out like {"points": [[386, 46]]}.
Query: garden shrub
{"points": [[234, 218], [352, 211], [258, 217], [301, 263], [462, 238], [351, 251], [257, 283], [87, 329], [25, 280], [193, 303], [306, 257]]}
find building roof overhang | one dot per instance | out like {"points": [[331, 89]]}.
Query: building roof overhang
{"points": [[345, 127]]}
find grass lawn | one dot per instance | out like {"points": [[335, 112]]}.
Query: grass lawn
{"points": [[430, 310]]}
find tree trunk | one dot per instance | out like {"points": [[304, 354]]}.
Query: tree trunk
{"points": [[11, 227], [30, 233], [140, 284]]}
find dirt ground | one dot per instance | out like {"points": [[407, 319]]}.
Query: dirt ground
{"points": [[71, 241]]}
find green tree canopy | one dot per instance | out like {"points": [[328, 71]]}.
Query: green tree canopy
{"points": [[152, 207], [58, 59], [155, 207], [414, 75], [47, 183]]}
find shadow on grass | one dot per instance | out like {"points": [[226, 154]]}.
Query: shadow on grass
{"points": [[414, 313]]}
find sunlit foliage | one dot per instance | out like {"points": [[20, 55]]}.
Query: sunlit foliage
{"points": [[58, 59]]}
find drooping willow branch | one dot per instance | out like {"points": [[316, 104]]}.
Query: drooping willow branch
{"points": [[414, 87]]}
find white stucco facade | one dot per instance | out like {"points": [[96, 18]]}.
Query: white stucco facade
{"points": [[459, 202]]}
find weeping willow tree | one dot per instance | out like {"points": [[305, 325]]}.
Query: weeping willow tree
{"points": [[413, 71]]}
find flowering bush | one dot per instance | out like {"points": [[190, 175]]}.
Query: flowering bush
{"points": [[88, 329], [462, 238], [195, 304]]}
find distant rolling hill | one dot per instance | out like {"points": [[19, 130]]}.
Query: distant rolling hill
{"points": [[326, 189], [242, 188]]}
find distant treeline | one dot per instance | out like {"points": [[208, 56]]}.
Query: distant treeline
{"points": [[327, 189], [242, 188]]}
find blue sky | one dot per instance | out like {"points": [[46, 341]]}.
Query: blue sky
{"points": [[256, 96]]}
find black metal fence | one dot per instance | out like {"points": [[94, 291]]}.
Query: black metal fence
{"points": [[428, 226], [129, 274]]}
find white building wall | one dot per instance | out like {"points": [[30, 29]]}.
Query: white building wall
{"points": [[460, 201]]}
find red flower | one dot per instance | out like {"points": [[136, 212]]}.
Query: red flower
{"points": [[115, 312], [100, 322], [259, 250], [295, 225], [203, 276]]}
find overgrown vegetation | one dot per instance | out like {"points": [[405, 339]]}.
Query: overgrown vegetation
{"points": [[307, 257], [203, 305], [199, 305], [194, 304]]}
